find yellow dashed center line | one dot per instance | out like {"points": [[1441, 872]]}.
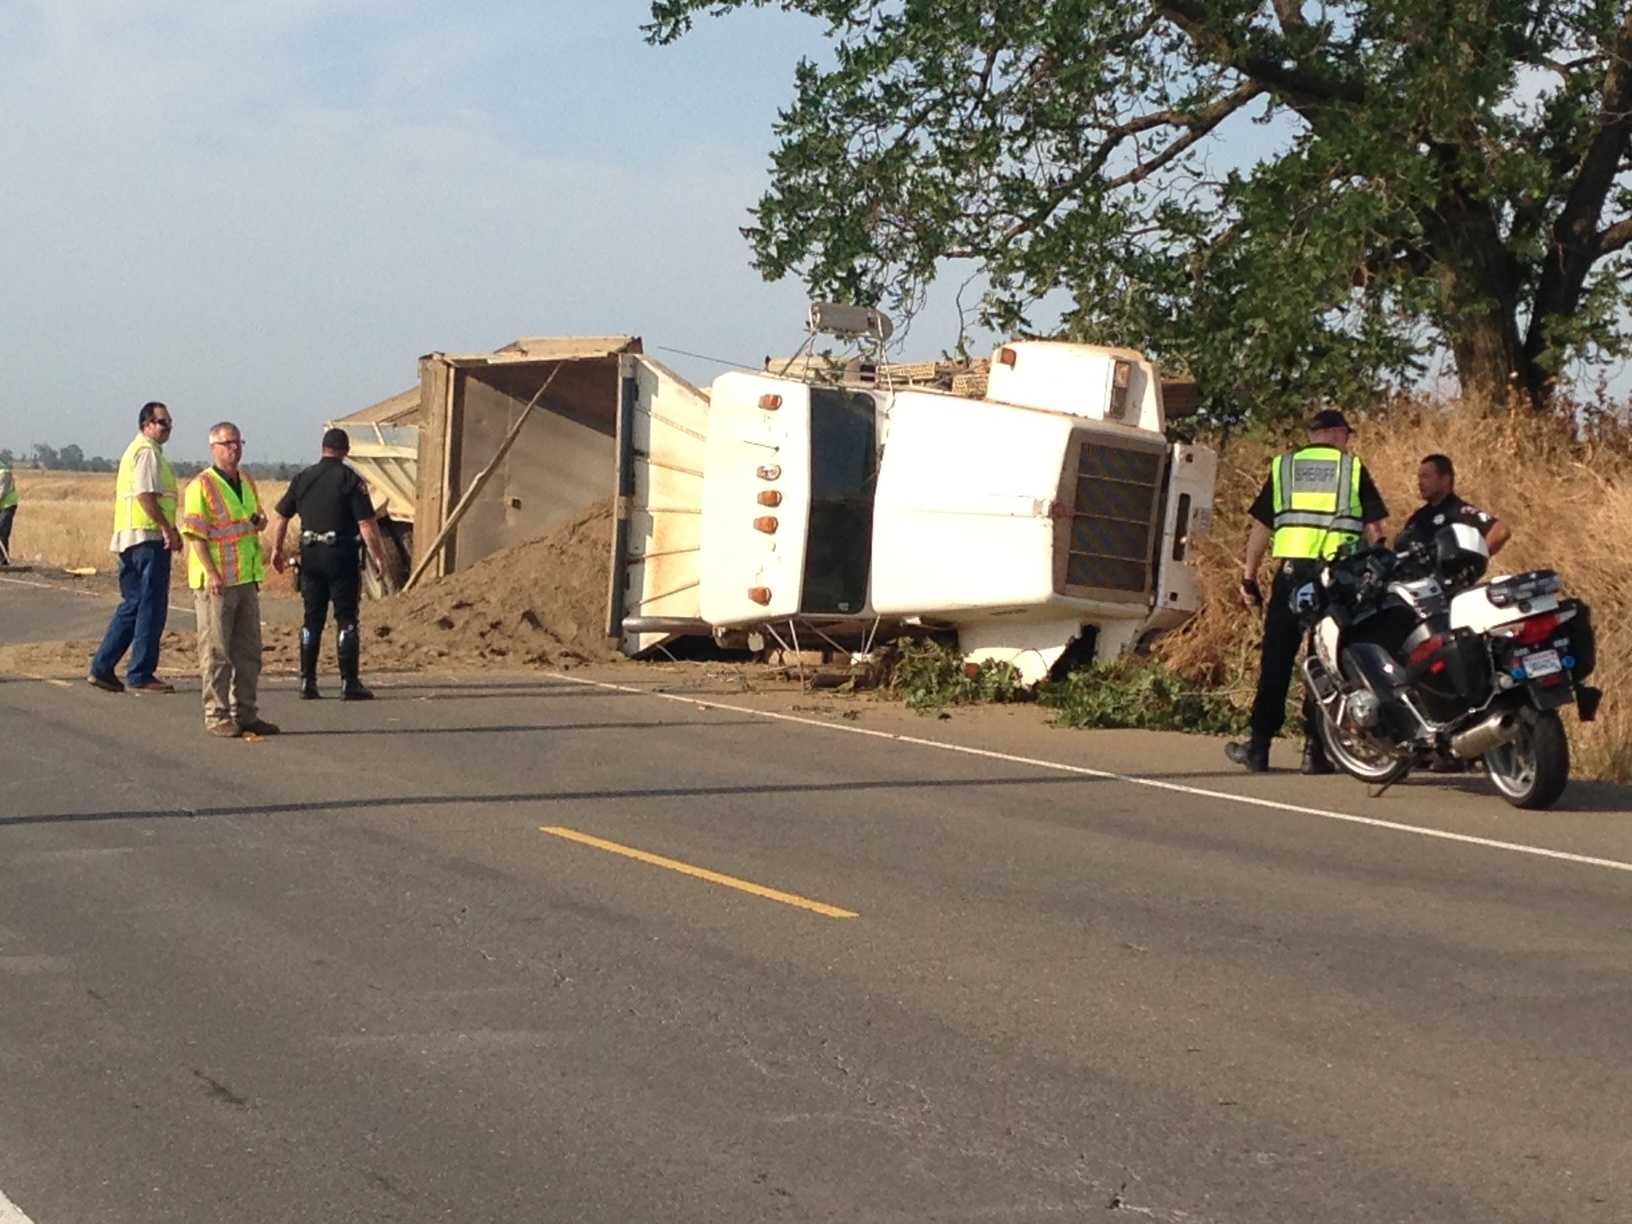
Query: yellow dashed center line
{"points": [[701, 873]]}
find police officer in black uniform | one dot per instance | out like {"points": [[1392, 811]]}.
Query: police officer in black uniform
{"points": [[1436, 481], [1315, 499], [334, 508]]}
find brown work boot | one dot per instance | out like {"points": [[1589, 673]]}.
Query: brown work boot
{"points": [[152, 686], [260, 727], [226, 730]]}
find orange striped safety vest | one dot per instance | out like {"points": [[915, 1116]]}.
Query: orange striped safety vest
{"points": [[221, 518]]}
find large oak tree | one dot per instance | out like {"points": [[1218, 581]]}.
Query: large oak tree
{"points": [[1284, 197]]}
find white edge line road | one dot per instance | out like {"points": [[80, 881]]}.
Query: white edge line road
{"points": [[10, 1213], [1130, 779], [47, 586]]}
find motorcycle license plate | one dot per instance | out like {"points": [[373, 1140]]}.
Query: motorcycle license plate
{"points": [[1542, 663]]}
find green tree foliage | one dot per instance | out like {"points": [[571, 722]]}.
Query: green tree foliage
{"points": [[1283, 197]]}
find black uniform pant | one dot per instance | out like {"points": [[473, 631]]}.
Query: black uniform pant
{"points": [[6, 516], [330, 573], [1283, 636]]}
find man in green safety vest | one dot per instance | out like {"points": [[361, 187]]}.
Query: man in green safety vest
{"points": [[144, 539], [1315, 500], [8, 507]]}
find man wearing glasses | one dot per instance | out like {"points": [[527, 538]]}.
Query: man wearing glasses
{"points": [[222, 521], [144, 537]]}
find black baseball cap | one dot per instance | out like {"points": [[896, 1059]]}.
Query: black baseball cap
{"points": [[336, 440], [1330, 418]]}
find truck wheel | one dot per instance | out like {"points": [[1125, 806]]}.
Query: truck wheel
{"points": [[396, 542], [1533, 770]]}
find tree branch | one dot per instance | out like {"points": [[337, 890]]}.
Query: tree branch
{"points": [[1197, 124], [1267, 66], [1576, 243], [1616, 237]]}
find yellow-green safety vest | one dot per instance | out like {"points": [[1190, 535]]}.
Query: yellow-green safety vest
{"points": [[221, 518], [1317, 502], [9, 498], [128, 513]]}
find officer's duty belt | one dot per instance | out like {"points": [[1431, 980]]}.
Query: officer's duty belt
{"points": [[326, 537]]}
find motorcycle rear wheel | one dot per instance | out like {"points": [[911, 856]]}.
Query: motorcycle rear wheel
{"points": [[1532, 771], [1355, 758]]}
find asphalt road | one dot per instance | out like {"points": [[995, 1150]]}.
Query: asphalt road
{"points": [[375, 969]]}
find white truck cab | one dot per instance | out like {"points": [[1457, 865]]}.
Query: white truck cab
{"points": [[1052, 505]]}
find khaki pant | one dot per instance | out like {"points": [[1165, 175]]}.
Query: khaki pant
{"points": [[229, 652]]}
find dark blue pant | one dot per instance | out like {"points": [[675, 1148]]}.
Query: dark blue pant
{"points": [[138, 621]]}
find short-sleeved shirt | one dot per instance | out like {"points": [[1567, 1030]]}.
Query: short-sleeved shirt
{"points": [[1450, 509], [1372, 507], [328, 496], [144, 478]]}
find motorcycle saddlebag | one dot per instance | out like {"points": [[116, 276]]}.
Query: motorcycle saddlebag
{"points": [[1583, 642]]}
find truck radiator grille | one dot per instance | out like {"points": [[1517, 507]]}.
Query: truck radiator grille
{"points": [[1112, 518]]}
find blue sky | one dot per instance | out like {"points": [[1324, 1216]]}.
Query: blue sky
{"points": [[268, 209]]}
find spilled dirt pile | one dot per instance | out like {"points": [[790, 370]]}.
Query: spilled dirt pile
{"points": [[541, 603]]}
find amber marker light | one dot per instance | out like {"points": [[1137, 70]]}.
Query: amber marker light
{"points": [[770, 471], [766, 523], [770, 402], [770, 498], [1007, 356], [760, 595]]}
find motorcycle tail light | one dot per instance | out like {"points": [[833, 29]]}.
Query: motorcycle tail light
{"points": [[1535, 629], [1427, 649]]}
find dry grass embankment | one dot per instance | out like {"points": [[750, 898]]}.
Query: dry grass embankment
{"points": [[1568, 503]]}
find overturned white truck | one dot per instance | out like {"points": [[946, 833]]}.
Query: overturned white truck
{"points": [[1053, 509]]}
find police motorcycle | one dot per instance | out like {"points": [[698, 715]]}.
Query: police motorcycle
{"points": [[1410, 660]]}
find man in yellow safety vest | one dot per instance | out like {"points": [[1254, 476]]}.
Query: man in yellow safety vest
{"points": [[144, 537], [222, 521], [8, 507], [1314, 501]]}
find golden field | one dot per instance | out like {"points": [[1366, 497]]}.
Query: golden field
{"points": [[65, 520]]}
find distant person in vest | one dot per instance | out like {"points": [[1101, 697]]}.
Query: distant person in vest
{"points": [[222, 520], [334, 508], [144, 537], [8, 508], [1316, 500]]}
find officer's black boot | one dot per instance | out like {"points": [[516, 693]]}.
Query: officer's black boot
{"points": [[309, 642], [1251, 755], [350, 648]]}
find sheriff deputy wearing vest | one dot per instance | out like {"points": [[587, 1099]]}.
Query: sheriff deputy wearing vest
{"points": [[222, 520], [1315, 501]]}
